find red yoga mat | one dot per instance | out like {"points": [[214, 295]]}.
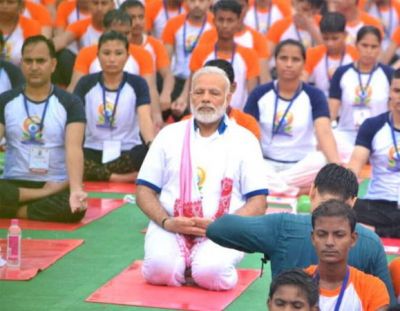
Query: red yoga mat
{"points": [[109, 187], [391, 246], [37, 255], [129, 288], [97, 208]]}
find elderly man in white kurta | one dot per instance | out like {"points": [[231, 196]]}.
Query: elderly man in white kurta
{"points": [[195, 171]]}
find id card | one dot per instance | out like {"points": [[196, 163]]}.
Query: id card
{"points": [[359, 116], [39, 159], [111, 150]]}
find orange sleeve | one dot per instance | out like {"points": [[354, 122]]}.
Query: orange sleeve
{"points": [[277, 29], [143, 58], [85, 58], [396, 35], [372, 21], [63, 10], [162, 59], [210, 36], [284, 7], [260, 44], [171, 28], [29, 27], [396, 6], [198, 56], [246, 120], [39, 13], [352, 51], [361, 4], [152, 11], [372, 291], [249, 55], [47, 2], [394, 268], [78, 28], [313, 56]]}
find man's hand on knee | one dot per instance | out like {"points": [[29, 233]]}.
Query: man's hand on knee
{"points": [[53, 187], [78, 201], [183, 225]]}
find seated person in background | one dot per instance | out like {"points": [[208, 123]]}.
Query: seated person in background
{"points": [[194, 173], [293, 290], [341, 286], [16, 28], [10, 75], [355, 18], [378, 142], [292, 115], [394, 268], [302, 26], [282, 237], [43, 126], [323, 60], [155, 47], [69, 12], [359, 90], [41, 14], [117, 106]]}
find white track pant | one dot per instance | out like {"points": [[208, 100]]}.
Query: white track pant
{"points": [[213, 266]]}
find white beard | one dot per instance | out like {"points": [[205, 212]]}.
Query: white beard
{"points": [[207, 117]]}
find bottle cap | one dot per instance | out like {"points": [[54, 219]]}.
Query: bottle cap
{"points": [[14, 222]]}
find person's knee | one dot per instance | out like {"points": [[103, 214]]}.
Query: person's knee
{"points": [[214, 275], [160, 270]]}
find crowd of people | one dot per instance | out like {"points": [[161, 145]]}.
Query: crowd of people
{"points": [[209, 107]]}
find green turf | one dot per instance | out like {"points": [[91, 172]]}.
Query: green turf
{"points": [[111, 244]]}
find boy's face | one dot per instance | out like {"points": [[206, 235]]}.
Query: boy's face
{"points": [[226, 23], [288, 298], [303, 7], [197, 8], [343, 5], [332, 239], [335, 42]]}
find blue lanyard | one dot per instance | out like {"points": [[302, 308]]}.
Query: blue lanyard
{"points": [[342, 288], [275, 130], [166, 9], [78, 16], [232, 56], [386, 29], [110, 121], [327, 64], [191, 48], [256, 16], [394, 137], [41, 124], [364, 88]]}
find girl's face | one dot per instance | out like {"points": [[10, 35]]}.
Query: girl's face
{"points": [[113, 56], [289, 62], [369, 49]]}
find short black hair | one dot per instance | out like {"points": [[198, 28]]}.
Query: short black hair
{"points": [[332, 22], [396, 74], [113, 35], [334, 208], [225, 66], [131, 4], [316, 4], [118, 16], [337, 180], [365, 30], [227, 5], [37, 39], [300, 279], [283, 43]]}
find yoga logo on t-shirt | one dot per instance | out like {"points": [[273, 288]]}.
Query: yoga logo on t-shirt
{"points": [[362, 96], [106, 118], [6, 52], [31, 132], [201, 178], [394, 159], [283, 127]]}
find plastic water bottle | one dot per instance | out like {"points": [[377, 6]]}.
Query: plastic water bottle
{"points": [[14, 245]]}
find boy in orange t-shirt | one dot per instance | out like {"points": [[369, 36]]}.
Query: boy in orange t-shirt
{"points": [[342, 287]]}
